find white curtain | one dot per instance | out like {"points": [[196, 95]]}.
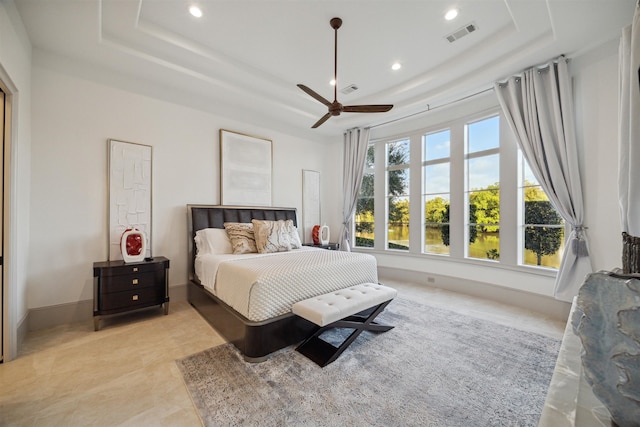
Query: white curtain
{"points": [[629, 123], [356, 142], [538, 106]]}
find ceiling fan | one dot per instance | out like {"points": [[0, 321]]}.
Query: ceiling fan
{"points": [[335, 108]]}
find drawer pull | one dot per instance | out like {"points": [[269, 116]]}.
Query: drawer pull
{"points": [[134, 281], [135, 269], [134, 298]]}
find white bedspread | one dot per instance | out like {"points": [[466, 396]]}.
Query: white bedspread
{"points": [[262, 286]]}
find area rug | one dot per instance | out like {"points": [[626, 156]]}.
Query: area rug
{"points": [[435, 368]]}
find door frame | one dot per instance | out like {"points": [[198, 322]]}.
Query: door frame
{"points": [[8, 236]]}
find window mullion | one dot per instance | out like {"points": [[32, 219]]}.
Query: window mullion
{"points": [[456, 211], [508, 196], [416, 207]]}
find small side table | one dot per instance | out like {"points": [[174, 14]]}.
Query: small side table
{"points": [[119, 287], [329, 246]]}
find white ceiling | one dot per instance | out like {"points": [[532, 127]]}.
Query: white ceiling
{"points": [[244, 58]]}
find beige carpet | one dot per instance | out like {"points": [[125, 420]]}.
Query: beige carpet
{"points": [[435, 368]]}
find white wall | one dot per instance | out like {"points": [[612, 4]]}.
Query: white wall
{"points": [[596, 92], [15, 71], [72, 120]]}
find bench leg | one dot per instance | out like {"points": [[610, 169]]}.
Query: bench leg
{"points": [[323, 353]]}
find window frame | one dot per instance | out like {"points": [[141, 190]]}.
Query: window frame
{"points": [[423, 193], [468, 156], [510, 225]]}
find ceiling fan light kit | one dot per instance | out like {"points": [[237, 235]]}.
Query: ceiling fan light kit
{"points": [[335, 108]]}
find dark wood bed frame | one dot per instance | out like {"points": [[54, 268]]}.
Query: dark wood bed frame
{"points": [[255, 340]]}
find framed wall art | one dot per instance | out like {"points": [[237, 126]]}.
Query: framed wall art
{"points": [[130, 169], [310, 203], [245, 169]]}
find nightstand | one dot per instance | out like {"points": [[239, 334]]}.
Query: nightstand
{"points": [[119, 287], [329, 246]]}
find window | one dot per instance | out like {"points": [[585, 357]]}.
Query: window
{"points": [[364, 217], [398, 194], [483, 188], [543, 227], [477, 201], [436, 191]]}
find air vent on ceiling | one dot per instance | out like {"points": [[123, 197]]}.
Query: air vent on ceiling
{"points": [[461, 32], [347, 90]]}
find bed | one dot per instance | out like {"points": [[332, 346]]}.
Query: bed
{"points": [[259, 321]]}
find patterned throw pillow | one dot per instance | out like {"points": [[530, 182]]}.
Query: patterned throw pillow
{"points": [[271, 236], [293, 235], [241, 236]]}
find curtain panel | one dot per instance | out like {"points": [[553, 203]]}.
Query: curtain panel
{"points": [[356, 142], [538, 106], [629, 143]]}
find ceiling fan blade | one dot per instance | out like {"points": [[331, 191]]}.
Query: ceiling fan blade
{"points": [[314, 95], [321, 121], [367, 108]]}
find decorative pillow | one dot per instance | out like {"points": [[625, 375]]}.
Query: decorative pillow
{"points": [[271, 236], [213, 241], [293, 235], [241, 236]]}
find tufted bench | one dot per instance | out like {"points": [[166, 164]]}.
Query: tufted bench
{"points": [[345, 308]]}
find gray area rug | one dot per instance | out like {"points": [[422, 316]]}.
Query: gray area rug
{"points": [[435, 368]]}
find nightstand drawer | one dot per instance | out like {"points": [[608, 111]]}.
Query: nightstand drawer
{"points": [[131, 282], [132, 299], [129, 269]]}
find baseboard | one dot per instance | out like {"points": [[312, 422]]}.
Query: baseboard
{"points": [[79, 311], [547, 306], [22, 330], [60, 314]]}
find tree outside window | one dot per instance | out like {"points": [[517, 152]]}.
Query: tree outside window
{"points": [[364, 216], [543, 226], [398, 194]]}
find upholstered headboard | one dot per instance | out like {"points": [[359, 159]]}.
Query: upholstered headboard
{"points": [[214, 216]]}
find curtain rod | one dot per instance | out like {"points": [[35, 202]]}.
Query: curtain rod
{"points": [[434, 108]]}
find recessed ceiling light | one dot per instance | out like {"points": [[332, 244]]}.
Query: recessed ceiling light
{"points": [[332, 82], [195, 11], [451, 14], [396, 66]]}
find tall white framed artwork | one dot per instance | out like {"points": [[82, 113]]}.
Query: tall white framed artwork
{"points": [[310, 203], [130, 192], [245, 169]]}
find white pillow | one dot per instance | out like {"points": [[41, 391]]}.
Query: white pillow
{"points": [[213, 241]]}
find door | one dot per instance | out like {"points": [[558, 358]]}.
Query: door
{"points": [[2, 290]]}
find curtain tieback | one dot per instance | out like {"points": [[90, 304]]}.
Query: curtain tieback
{"points": [[579, 244]]}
